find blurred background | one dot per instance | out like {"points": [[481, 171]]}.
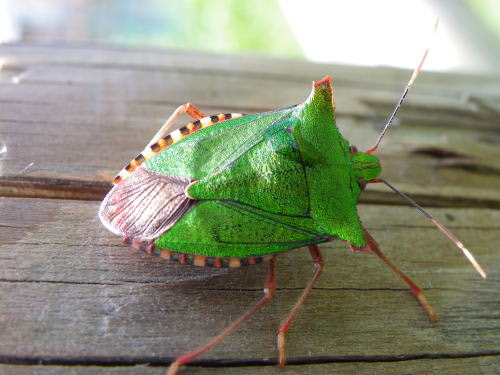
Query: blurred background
{"points": [[360, 32]]}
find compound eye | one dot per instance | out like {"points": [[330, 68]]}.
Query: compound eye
{"points": [[353, 149]]}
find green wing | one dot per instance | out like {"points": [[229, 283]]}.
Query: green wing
{"points": [[231, 229], [209, 150]]}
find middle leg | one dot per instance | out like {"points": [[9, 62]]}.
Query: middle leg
{"points": [[287, 322], [269, 289]]}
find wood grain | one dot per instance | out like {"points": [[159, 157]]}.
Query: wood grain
{"points": [[83, 118], [77, 295], [76, 300]]}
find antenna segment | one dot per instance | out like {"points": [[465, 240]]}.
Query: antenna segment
{"points": [[405, 92], [440, 226]]}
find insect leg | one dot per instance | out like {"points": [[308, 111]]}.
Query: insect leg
{"points": [[269, 288], [287, 322], [188, 108], [416, 290]]}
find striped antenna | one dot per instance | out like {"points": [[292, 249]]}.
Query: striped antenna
{"points": [[405, 92], [440, 226]]}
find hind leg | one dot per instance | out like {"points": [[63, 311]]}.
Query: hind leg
{"points": [[187, 108]]}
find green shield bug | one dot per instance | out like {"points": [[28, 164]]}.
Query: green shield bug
{"points": [[232, 190]]}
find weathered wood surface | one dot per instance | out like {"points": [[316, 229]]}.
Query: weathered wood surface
{"points": [[98, 107], [73, 299]]}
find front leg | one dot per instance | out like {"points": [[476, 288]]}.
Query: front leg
{"points": [[372, 246]]}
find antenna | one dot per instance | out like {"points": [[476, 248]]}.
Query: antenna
{"points": [[440, 226], [405, 92]]}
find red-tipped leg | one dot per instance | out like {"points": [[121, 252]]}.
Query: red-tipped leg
{"points": [[416, 290], [269, 288], [287, 322], [187, 108]]}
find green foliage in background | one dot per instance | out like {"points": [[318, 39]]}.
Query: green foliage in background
{"points": [[488, 11], [227, 26]]}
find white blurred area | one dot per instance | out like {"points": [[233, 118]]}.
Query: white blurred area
{"points": [[381, 32], [41, 19], [360, 32], [393, 33], [8, 29]]}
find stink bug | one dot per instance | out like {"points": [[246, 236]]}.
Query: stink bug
{"points": [[232, 190]]}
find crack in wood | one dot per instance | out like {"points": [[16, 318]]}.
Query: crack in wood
{"points": [[57, 282], [54, 188], [124, 283], [154, 361], [59, 188]]}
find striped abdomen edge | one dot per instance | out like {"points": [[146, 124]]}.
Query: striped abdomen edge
{"points": [[170, 139], [196, 260]]}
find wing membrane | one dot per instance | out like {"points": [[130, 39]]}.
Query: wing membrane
{"points": [[145, 205]]}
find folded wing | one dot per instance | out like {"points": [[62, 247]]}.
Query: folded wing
{"points": [[145, 205]]}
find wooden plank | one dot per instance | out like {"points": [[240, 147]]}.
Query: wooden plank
{"points": [[81, 302], [152, 85], [110, 118], [85, 298], [21, 54]]}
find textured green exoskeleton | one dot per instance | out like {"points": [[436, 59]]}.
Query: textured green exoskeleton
{"points": [[250, 186], [227, 190]]}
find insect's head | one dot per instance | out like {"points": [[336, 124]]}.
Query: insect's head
{"points": [[365, 166]]}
